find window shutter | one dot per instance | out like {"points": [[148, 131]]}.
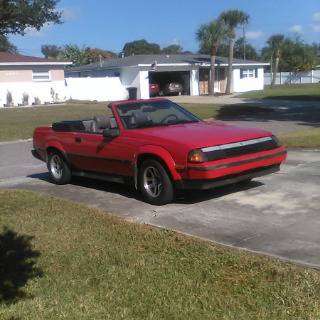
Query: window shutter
{"points": [[241, 73], [256, 72]]}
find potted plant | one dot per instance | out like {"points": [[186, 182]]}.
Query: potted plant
{"points": [[9, 99], [25, 99]]}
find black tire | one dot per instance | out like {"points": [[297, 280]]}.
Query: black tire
{"points": [[165, 192], [64, 177]]}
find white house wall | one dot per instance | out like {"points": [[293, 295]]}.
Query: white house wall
{"points": [[100, 89], [134, 77], [248, 84], [194, 82], [46, 92]]}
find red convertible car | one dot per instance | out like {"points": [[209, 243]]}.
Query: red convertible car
{"points": [[159, 147]]}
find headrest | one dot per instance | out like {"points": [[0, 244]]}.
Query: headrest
{"points": [[102, 122], [140, 118]]}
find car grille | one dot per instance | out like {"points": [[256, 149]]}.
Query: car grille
{"points": [[240, 148]]}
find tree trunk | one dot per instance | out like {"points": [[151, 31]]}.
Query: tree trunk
{"points": [[230, 71], [275, 69], [212, 70]]}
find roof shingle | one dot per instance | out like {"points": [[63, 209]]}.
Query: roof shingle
{"points": [[6, 57]]}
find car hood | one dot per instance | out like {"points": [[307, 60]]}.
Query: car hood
{"points": [[201, 134]]}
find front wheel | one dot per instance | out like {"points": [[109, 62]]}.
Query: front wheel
{"points": [[154, 183], [59, 170]]}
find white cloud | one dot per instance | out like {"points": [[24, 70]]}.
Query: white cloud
{"points": [[34, 33], [69, 14], [316, 16], [316, 28], [296, 28], [254, 35]]}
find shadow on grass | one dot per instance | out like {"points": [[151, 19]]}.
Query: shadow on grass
{"points": [[17, 265], [294, 97], [182, 197], [257, 112]]}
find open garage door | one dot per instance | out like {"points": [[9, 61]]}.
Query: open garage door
{"points": [[164, 78]]}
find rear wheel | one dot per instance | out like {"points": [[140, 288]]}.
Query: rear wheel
{"points": [[154, 183], [59, 170]]}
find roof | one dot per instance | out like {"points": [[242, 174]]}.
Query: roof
{"points": [[7, 58], [165, 60]]}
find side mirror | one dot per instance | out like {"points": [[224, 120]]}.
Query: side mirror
{"points": [[111, 133]]}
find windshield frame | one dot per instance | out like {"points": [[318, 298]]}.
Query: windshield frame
{"points": [[142, 102]]}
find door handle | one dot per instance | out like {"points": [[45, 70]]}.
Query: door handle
{"points": [[78, 139]]}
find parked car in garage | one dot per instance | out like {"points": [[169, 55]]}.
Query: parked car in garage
{"points": [[159, 147], [172, 88], [154, 89]]}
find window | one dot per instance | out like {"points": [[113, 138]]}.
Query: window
{"points": [[152, 114], [248, 73], [41, 75]]}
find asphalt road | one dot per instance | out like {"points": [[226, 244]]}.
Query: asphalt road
{"points": [[277, 215]]}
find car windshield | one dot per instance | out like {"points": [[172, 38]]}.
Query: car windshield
{"points": [[153, 113]]}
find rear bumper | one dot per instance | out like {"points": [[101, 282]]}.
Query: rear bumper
{"points": [[226, 180]]}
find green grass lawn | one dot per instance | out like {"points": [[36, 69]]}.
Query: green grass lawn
{"points": [[303, 92], [309, 138], [60, 260], [19, 123]]}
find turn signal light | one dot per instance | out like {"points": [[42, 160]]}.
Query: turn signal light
{"points": [[196, 156]]}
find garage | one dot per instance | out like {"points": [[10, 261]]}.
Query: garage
{"points": [[164, 79], [187, 72]]}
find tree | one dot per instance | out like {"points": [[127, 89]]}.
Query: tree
{"points": [[140, 47], [74, 54], [274, 50], [172, 49], [6, 45], [250, 51], [51, 51], [17, 15], [294, 55], [96, 54], [232, 20], [210, 36]]}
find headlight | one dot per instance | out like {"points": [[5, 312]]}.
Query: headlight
{"points": [[197, 156], [276, 141]]}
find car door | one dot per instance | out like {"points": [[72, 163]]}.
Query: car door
{"points": [[92, 152]]}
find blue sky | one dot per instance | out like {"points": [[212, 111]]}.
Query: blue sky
{"points": [[109, 24]]}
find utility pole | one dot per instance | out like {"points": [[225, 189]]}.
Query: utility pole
{"points": [[244, 42]]}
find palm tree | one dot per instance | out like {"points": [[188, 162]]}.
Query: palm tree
{"points": [[275, 44], [210, 35], [232, 20]]}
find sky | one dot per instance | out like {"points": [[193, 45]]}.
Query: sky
{"points": [[109, 24]]}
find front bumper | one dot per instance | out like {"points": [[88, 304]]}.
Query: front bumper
{"points": [[231, 170], [226, 180]]}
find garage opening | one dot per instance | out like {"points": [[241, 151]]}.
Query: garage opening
{"points": [[169, 83]]}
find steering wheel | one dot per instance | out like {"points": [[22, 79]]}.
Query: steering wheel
{"points": [[166, 118]]}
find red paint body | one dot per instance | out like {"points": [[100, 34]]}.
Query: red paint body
{"points": [[171, 144]]}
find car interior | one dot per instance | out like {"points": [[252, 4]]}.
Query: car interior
{"points": [[96, 125]]}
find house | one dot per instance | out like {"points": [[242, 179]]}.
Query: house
{"points": [[191, 70], [26, 80]]}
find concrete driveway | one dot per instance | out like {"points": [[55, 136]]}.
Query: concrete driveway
{"points": [[277, 215]]}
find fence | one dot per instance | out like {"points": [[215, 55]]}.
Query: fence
{"points": [[100, 89], [312, 76]]}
